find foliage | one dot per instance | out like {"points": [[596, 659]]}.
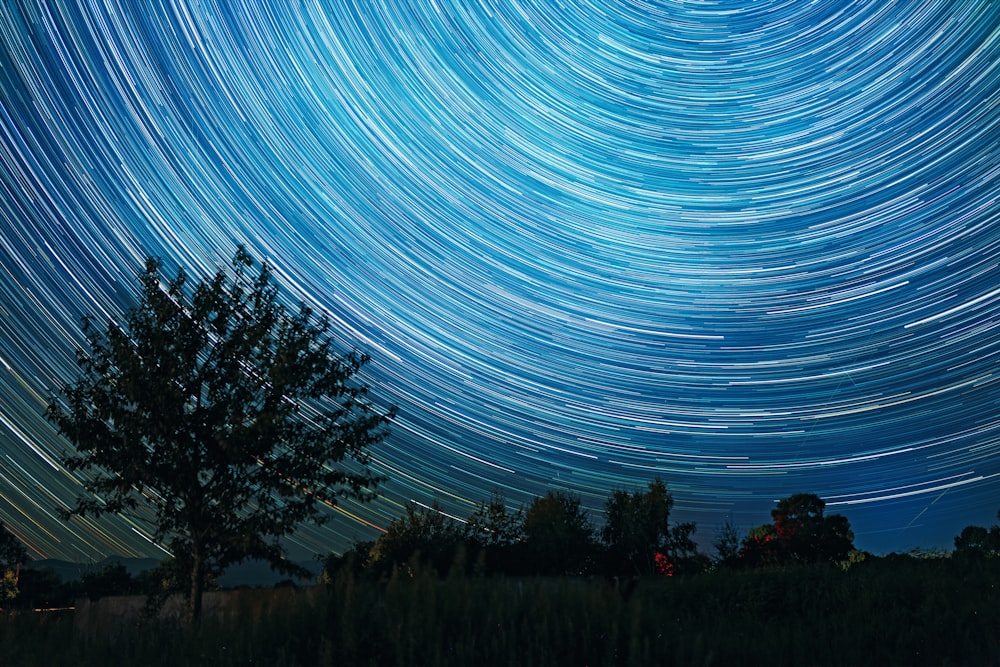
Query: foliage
{"points": [[681, 547], [356, 561], [494, 538], [976, 542], [493, 525], [760, 547], [111, 579], [12, 552], [43, 588], [854, 558], [12, 556], [8, 585], [800, 533], [727, 543], [424, 534], [637, 527], [233, 419], [558, 536]]}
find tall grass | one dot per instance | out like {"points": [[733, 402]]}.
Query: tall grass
{"points": [[911, 613]]}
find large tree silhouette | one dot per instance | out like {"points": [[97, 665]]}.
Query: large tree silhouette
{"points": [[800, 533], [230, 417], [638, 534], [558, 536], [637, 527]]}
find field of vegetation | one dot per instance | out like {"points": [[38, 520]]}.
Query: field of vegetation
{"points": [[896, 610]]}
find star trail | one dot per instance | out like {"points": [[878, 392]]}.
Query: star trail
{"points": [[750, 247]]}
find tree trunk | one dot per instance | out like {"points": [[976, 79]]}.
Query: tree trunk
{"points": [[197, 581]]}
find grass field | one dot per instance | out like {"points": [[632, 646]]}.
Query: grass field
{"points": [[887, 612]]}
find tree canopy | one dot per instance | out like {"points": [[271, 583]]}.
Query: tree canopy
{"points": [[425, 533], [558, 533], [231, 417], [978, 541], [493, 525], [637, 526], [800, 533]]}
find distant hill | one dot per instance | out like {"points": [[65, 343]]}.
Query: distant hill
{"points": [[253, 574]]}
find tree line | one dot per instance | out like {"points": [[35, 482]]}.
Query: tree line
{"points": [[554, 535]]}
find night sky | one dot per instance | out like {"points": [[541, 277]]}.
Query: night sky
{"points": [[750, 247]]}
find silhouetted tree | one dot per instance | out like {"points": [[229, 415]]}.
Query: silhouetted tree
{"points": [[978, 542], [558, 536], [972, 538], [232, 418], [355, 561], [727, 543], [800, 533], [637, 528], [12, 556], [682, 552], [42, 587], [638, 537], [494, 536], [425, 534], [760, 547], [110, 579], [491, 524]]}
